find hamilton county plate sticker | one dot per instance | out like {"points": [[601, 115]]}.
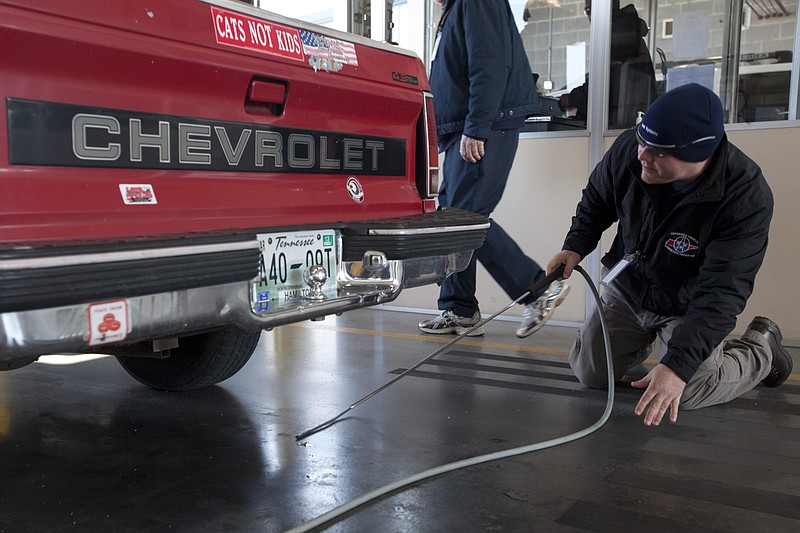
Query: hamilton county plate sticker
{"points": [[239, 30], [108, 322], [260, 297], [137, 194], [355, 189]]}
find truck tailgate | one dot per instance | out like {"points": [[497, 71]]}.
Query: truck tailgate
{"points": [[180, 117]]}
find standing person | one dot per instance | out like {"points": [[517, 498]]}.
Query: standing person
{"points": [[632, 78], [483, 89], [693, 216]]}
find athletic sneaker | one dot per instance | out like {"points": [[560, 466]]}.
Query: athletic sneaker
{"points": [[535, 314], [449, 322]]}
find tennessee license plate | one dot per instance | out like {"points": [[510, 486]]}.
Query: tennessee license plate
{"points": [[284, 259]]}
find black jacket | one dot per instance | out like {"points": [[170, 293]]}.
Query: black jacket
{"points": [[480, 73], [700, 261]]}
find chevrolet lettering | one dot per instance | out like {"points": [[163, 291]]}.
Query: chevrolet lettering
{"points": [[81, 136]]}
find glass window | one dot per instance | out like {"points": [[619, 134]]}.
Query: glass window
{"points": [[556, 37], [393, 21], [323, 12], [742, 49], [739, 48]]}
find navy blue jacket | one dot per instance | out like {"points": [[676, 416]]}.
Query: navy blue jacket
{"points": [[480, 74], [697, 260]]}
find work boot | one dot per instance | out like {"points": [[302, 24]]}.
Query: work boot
{"points": [[449, 322], [781, 360]]}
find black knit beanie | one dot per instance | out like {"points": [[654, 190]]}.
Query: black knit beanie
{"points": [[686, 121]]}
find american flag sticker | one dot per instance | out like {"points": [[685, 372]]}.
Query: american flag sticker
{"points": [[326, 48]]}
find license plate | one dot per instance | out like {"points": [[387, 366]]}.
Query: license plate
{"points": [[284, 259]]}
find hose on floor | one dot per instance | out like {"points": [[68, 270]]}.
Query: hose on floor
{"points": [[337, 512]]}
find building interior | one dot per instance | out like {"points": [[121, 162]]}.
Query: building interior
{"points": [[87, 448]]}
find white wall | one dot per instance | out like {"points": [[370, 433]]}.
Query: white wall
{"points": [[543, 189], [777, 291]]}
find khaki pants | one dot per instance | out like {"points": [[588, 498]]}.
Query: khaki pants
{"points": [[733, 368]]}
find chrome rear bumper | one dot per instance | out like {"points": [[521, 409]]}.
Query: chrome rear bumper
{"points": [[95, 297], [28, 334]]}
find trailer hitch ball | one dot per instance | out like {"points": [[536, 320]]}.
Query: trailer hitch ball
{"points": [[315, 277]]}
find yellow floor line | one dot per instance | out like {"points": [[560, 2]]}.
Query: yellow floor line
{"points": [[440, 339], [465, 341]]}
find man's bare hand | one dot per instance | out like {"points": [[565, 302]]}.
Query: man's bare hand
{"points": [[567, 258], [663, 389], [471, 150]]}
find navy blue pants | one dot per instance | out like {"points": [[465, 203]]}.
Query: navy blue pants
{"points": [[478, 187]]}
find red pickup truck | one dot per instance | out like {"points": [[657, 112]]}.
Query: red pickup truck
{"points": [[177, 176]]}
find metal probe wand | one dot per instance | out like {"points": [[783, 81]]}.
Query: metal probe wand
{"points": [[545, 281]]}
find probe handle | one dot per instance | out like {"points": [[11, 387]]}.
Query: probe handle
{"points": [[547, 280]]}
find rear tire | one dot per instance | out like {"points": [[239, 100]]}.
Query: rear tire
{"points": [[198, 361]]}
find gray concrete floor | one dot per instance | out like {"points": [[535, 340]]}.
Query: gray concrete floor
{"points": [[85, 448]]}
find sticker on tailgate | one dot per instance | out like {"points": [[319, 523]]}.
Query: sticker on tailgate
{"points": [[242, 31], [137, 194], [327, 53], [236, 29]]}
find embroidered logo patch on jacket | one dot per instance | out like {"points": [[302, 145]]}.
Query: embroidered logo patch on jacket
{"points": [[682, 244]]}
